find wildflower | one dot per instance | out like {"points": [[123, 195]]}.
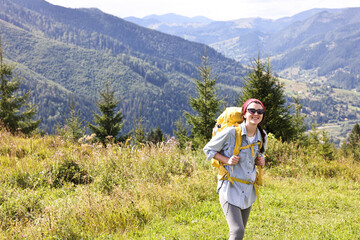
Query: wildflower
{"points": [[88, 138], [81, 139]]}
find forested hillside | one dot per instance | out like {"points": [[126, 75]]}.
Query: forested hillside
{"points": [[61, 52]]}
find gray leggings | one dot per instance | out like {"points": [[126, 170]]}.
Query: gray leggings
{"points": [[236, 219]]}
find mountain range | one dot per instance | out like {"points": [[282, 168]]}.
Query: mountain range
{"points": [[321, 41], [63, 53]]}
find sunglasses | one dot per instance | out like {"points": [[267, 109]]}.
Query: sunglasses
{"points": [[253, 111]]}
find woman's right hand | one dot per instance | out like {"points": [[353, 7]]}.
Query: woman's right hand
{"points": [[233, 160]]}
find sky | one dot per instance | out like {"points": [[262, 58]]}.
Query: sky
{"points": [[221, 10]]}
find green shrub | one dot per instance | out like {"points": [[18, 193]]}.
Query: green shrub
{"points": [[68, 171]]}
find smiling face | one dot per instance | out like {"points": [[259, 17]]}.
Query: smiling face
{"points": [[253, 118]]}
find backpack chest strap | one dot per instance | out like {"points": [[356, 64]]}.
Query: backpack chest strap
{"points": [[250, 146], [238, 142]]}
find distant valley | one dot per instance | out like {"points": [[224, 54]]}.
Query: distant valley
{"points": [[321, 41]]}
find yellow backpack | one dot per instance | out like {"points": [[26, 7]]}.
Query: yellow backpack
{"points": [[233, 117]]}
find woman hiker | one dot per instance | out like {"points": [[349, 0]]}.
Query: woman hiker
{"points": [[236, 197]]}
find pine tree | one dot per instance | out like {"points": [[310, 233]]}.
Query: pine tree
{"points": [[298, 121], [150, 137], [155, 136], [354, 138], [16, 114], [181, 133], [108, 125], [206, 105], [73, 128], [263, 85], [139, 131], [326, 148]]}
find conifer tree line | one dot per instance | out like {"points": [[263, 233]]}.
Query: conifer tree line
{"points": [[262, 84], [17, 114]]}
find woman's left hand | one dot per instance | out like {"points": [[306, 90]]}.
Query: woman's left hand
{"points": [[260, 161]]}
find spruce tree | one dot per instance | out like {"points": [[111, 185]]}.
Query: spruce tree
{"points": [[108, 125], [155, 136], [354, 138], [150, 137], [326, 148], [181, 133], [206, 105], [298, 121], [16, 114], [353, 143], [159, 136], [73, 128], [263, 85], [139, 130]]}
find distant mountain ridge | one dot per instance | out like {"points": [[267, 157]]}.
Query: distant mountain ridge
{"points": [[318, 42], [175, 18], [200, 31]]}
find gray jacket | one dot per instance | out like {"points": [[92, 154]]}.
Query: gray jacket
{"points": [[241, 195]]}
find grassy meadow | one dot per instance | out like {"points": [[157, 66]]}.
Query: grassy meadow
{"points": [[52, 188]]}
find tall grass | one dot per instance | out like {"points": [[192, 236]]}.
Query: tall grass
{"points": [[51, 188]]}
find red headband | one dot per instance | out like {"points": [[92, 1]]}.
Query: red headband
{"points": [[246, 104]]}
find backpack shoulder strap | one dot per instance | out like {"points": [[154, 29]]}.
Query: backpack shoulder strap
{"points": [[237, 141]]}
